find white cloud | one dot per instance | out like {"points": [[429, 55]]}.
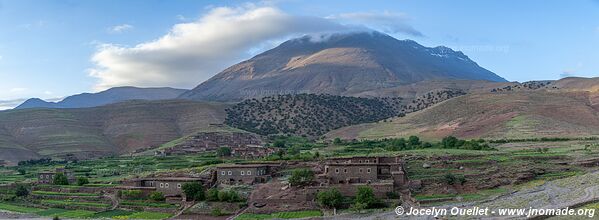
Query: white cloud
{"points": [[17, 90], [386, 21], [9, 104], [120, 28], [192, 52]]}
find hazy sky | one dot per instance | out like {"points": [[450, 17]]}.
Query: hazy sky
{"points": [[52, 49]]}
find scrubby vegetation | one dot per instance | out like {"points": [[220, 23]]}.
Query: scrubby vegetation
{"points": [[295, 114]]}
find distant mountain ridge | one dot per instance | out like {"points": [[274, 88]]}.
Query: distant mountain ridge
{"points": [[344, 64], [110, 96]]}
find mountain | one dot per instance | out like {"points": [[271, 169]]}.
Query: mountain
{"points": [[113, 95], [343, 64], [106, 130], [563, 108]]}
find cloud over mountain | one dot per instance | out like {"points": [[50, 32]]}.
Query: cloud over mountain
{"points": [[192, 52]]}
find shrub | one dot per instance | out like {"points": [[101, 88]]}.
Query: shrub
{"points": [[450, 179], [21, 191], [82, 181], [194, 191], [365, 197], [301, 177], [216, 212], [22, 171], [223, 152], [131, 194], [330, 198], [212, 195], [157, 196], [60, 179]]}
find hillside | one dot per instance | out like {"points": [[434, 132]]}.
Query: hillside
{"points": [[113, 95], [521, 114], [111, 129], [314, 115], [353, 64]]}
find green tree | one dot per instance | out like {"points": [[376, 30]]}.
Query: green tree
{"points": [[21, 191], [330, 198], [157, 196], [301, 177], [224, 151], [337, 141], [212, 195], [82, 181], [365, 196], [449, 142], [279, 143], [414, 141], [194, 191], [22, 171], [60, 179]]}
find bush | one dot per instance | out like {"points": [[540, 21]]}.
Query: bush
{"points": [[223, 152], [131, 194], [194, 191], [216, 212], [450, 179], [21, 191], [330, 198], [157, 196], [301, 177], [365, 197], [82, 181], [60, 179], [212, 195], [22, 171]]}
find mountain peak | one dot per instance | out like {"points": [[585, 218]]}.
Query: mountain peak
{"points": [[339, 64]]}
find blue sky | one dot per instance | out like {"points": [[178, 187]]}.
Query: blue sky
{"points": [[51, 49]]}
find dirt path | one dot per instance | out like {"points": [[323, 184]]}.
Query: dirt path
{"points": [[556, 194], [180, 212]]}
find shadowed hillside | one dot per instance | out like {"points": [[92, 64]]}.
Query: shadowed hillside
{"points": [[113, 95], [111, 129]]}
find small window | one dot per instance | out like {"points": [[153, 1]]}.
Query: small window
{"points": [[361, 170], [166, 185], [242, 172], [230, 173], [345, 170], [179, 185], [161, 185], [222, 173], [368, 170], [367, 161], [249, 172], [337, 170]]}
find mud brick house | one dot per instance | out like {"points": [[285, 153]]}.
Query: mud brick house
{"points": [[245, 173], [252, 151], [47, 177], [169, 186], [383, 174]]}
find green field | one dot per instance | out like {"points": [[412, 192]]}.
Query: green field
{"points": [[48, 193], [280, 215]]}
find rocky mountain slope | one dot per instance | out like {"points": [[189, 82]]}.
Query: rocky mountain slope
{"points": [[109, 96], [354, 64], [111, 129]]}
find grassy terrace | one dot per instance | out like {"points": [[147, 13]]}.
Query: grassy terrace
{"points": [[75, 203], [48, 193], [280, 215], [83, 214]]}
